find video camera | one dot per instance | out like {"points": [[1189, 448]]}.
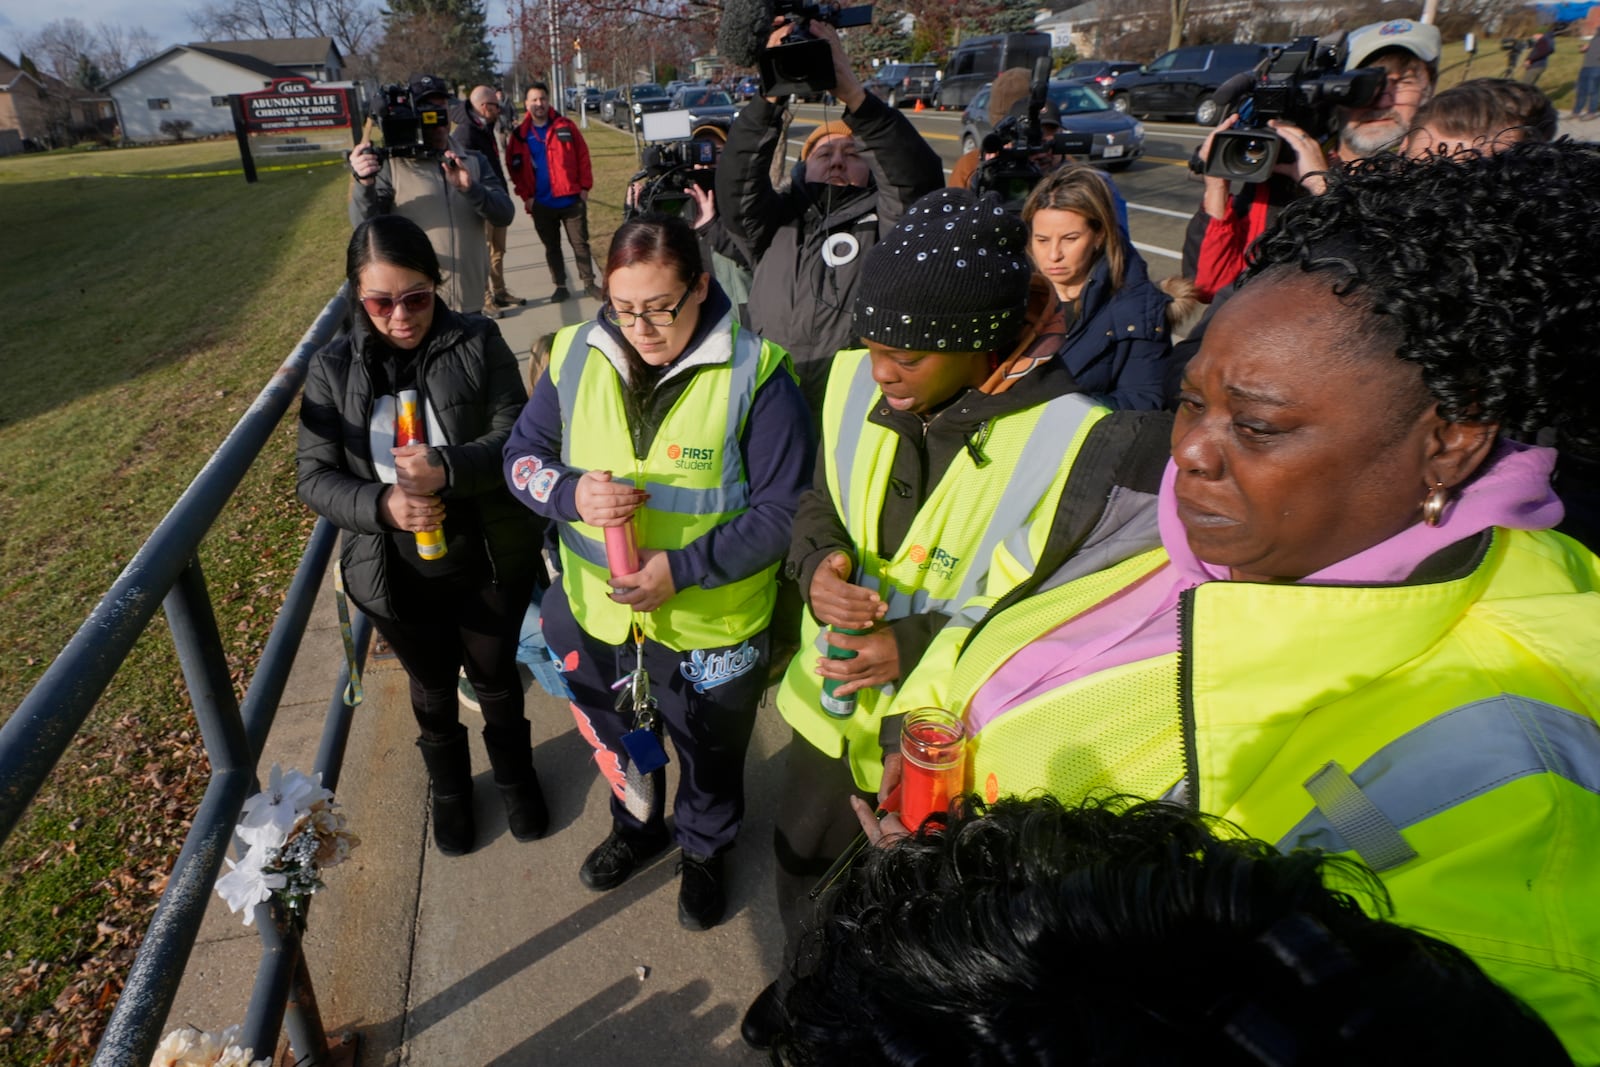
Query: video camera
{"points": [[673, 161], [669, 170], [801, 63], [405, 126], [1302, 83], [1009, 169]]}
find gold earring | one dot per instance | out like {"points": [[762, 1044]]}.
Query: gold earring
{"points": [[1434, 503]]}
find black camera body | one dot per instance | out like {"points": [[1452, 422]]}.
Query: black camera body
{"points": [[405, 126], [1303, 83], [1008, 169], [803, 63], [670, 168]]}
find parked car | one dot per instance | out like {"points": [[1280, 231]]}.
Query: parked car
{"points": [[746, 87], [608, 104], [706, 107], [1181, 83], [899, 84], [1102, 72], [1091, 126], [642, 100], [977, 62]]}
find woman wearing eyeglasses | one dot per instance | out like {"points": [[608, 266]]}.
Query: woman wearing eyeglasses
{"points": [[664, 418], [410, 366]]}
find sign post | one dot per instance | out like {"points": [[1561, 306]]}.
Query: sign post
{"points": [[581, 84], [292, 106]]}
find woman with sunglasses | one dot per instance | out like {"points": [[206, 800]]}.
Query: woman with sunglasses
{"points": [[411, 367], [665, 422]]}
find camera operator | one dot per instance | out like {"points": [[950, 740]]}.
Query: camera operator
{"points": [[689, 189], [1226, 225], [438, 183], [1008, 98], [853, 183]]}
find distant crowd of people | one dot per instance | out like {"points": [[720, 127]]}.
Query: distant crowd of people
{"points": [[1275, 686]]}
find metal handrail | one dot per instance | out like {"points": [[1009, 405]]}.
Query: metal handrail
{"points": [[165, 572]]}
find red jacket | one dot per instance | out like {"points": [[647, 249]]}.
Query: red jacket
{"points": [[566, 152]]}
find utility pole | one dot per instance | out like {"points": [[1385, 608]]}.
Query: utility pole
{"points": [[1430, 12], [556, 98]]}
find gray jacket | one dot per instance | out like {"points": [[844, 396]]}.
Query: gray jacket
{"points": [[796, 299], [453, 220]]}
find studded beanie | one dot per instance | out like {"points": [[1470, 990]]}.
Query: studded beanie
{"points": [[953, 276]]}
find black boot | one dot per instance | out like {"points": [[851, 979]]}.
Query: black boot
{"points": [[701, 901], [764, 1019], [450, 774], [511, 755]]}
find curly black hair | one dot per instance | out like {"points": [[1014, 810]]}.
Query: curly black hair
{"points": [[1126, 932], [1481, 271]]}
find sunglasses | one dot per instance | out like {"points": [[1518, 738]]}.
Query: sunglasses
{"points": [[415, 302]]}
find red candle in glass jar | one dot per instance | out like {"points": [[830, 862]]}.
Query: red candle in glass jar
{"points": [[933, 744]]}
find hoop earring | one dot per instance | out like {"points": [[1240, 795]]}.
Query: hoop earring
{"points": [[1434, 503]]}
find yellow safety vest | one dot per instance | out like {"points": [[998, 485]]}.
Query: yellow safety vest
{"points": [[694, 474], [974, 516], [1448, 733]]}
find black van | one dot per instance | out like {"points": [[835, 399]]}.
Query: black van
{"points": [[977, 62], [1181, 82]]}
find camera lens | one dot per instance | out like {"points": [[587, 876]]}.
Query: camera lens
{"points": [[1253, 153]]}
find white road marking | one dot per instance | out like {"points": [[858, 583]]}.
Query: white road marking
{"points": [[1155, 251], [1161, 211]]}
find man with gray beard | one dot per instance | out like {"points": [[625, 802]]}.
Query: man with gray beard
{"points": [[1226, 224]]}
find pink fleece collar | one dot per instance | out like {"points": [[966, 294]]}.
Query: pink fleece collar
{"points": [[1512, 490]]}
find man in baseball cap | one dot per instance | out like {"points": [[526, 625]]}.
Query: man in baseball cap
{"points": [[1408, 51]]}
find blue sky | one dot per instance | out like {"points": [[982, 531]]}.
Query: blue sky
{"points": [[165, 20]]}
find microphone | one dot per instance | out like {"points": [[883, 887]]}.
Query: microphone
{"points": [[1232, 89], [742, 33]]}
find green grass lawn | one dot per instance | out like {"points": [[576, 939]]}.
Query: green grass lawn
{"points": [[146, 311], [1559, 81]]}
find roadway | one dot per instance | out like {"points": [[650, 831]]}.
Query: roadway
{"points": [[1160, 193]]}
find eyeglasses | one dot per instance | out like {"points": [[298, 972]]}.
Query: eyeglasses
{"points": [[415, 302], [659, 317]]}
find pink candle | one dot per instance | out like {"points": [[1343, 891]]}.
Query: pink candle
{"points": [[622, 549]]}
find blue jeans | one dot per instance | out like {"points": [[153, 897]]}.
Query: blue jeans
{"points": [[1588, 101]]}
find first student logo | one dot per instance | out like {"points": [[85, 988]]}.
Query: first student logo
{"points": [[688, 458]]}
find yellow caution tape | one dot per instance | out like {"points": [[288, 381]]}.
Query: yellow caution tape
{"points": [[204, 173]]}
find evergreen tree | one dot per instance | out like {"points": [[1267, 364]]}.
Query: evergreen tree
{"points": [[886, 38], [1002, 16], [88, 75], [449, 38]]}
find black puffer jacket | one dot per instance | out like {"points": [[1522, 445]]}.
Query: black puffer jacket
{"points": [[468, 375], [796, 299]]}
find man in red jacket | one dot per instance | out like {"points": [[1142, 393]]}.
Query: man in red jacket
{"points": [[548, 164]]}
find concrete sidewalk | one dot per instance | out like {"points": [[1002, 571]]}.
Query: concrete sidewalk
{"points": [[501, 956]]}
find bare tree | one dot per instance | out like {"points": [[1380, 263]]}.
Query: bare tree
{"points": [[56, 48], [120, 48], [1178, 10], [353, 24]]}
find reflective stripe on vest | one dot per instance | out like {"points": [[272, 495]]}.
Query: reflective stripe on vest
{"points": [[857, 406], [1443, 763]]}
